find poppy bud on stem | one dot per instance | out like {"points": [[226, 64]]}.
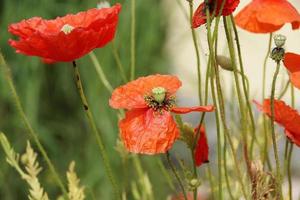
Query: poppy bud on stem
{"points": [[277, 53]]}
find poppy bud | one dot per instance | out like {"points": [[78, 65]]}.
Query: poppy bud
{"points": [[159, 94], [279, 40], [224, 62], [278, 52], [67, 29]]}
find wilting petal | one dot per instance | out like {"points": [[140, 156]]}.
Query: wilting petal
{"points": [[184, 110], [146, 132], [46, 39], [286, 116], [131, 95], [201, 151], [199, 16], [292, 62]]}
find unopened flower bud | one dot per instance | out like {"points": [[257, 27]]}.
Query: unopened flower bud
{"points": [[67, 29], [159, 94], [24, 159], [279, 40], [224, 62], [194, 182]]}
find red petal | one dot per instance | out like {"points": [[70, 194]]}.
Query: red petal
{"points": [[131, 95], [286, 116], [201, 151], [44, 38], [295, 79], [184, 110], [267, 16], [199, 16], [144, 131], [294, 137], [292, 62]]}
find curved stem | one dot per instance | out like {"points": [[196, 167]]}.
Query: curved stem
{"points": [[196, 51], [132, 48], [118, 61], [100, 72], [28, 126], [278, 173], [221, 103], [95, 131], [286, 87], [265, 125], [176, 175]]}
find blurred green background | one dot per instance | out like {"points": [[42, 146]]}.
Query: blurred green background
{"points": [[51, 102]]}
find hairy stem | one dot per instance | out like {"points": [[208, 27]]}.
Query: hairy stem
{"points": [[95, 131]]}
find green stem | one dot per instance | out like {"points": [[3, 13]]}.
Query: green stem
{"points": [[286, 87], [119, 63], [226, 170], [95, 132], [238, 91], [132, 49], [166, 174], [100, 72], [221, 103], [265, 125], [245, 83], [176, 175], [196, 51], [28, 126], [278, 173]]}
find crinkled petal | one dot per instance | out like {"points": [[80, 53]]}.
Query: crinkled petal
{"points": [[184, 110], [199, 16], [286, 116], [292, 62], [44, 38], [131, 95], [147, 132], [201, 151]]}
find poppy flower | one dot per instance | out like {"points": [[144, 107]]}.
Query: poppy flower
{"points": [[292, 63], [286, 116], [201, 150], [65, 38], [148, 126], [267, 16], [199, 17]]}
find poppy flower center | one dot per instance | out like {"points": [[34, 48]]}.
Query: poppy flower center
{"points": [[67, 29], [158, 99]]}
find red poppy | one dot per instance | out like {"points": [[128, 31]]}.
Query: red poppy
{"points": [[292, 63], [285, 116], [148, 126], [201, 151], [267, 16], [199, 17], [65, 38]]}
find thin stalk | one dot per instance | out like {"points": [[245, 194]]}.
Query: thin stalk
{"points": [[119, 63], [278, 173], [100, 72], [226, 171], [196, 51], [95, 131], [286, 87], [28, 126], [166, 174], [239, 95], [244, 82], [176, 175], [289, 171], [266, 139], [132, 39], [221, 103]]}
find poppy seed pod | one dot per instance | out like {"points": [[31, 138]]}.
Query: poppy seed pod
{"points": [[224, 62], [278, 52]]}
